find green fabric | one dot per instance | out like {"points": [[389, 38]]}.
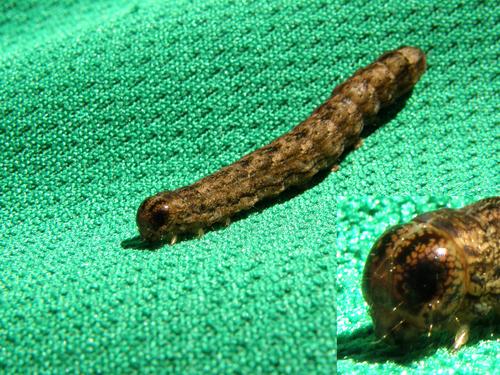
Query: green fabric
{"points": [[103, 105], [361, 220]]}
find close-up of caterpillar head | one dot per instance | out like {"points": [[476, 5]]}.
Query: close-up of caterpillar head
{"points": [[414, 282], [155, 218]]}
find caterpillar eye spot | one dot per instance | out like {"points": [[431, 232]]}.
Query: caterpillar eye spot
{"points": [[422, 283], [159, 216]]}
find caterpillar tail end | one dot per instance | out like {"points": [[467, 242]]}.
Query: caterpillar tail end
{"points": [[417, 59]]}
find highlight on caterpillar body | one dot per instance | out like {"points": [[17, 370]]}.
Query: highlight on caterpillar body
{"points": [[290, 160], [439, 272]]}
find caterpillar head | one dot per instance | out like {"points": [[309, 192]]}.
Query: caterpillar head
{"points": [[155, 217], [413, 281]]}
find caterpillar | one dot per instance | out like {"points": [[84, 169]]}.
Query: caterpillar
{"points": [[439, 272], [290, 160]]}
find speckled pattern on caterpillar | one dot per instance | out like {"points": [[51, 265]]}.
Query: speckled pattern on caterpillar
{"points": [[290, 160], [440, 272]]}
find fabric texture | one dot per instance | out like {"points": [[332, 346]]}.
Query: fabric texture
{"points": [[104, 104]]}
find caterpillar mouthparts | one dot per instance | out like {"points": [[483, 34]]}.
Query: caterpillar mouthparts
{"points": [[290, 160]]}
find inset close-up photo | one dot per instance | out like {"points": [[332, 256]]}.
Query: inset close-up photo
{"points": [[418, 283]]}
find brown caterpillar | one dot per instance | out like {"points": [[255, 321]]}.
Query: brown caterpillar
{"points": [[439, 272], [290, 160]]}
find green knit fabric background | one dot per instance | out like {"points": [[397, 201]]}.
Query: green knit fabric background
{"points": [[104, 104], [361, 220]]}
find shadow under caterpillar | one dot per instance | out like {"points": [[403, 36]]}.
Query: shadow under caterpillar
{"points": [[290, 160], [439, 272]]}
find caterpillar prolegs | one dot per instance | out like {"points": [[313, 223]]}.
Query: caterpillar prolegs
{"points": [[290, 160]]}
